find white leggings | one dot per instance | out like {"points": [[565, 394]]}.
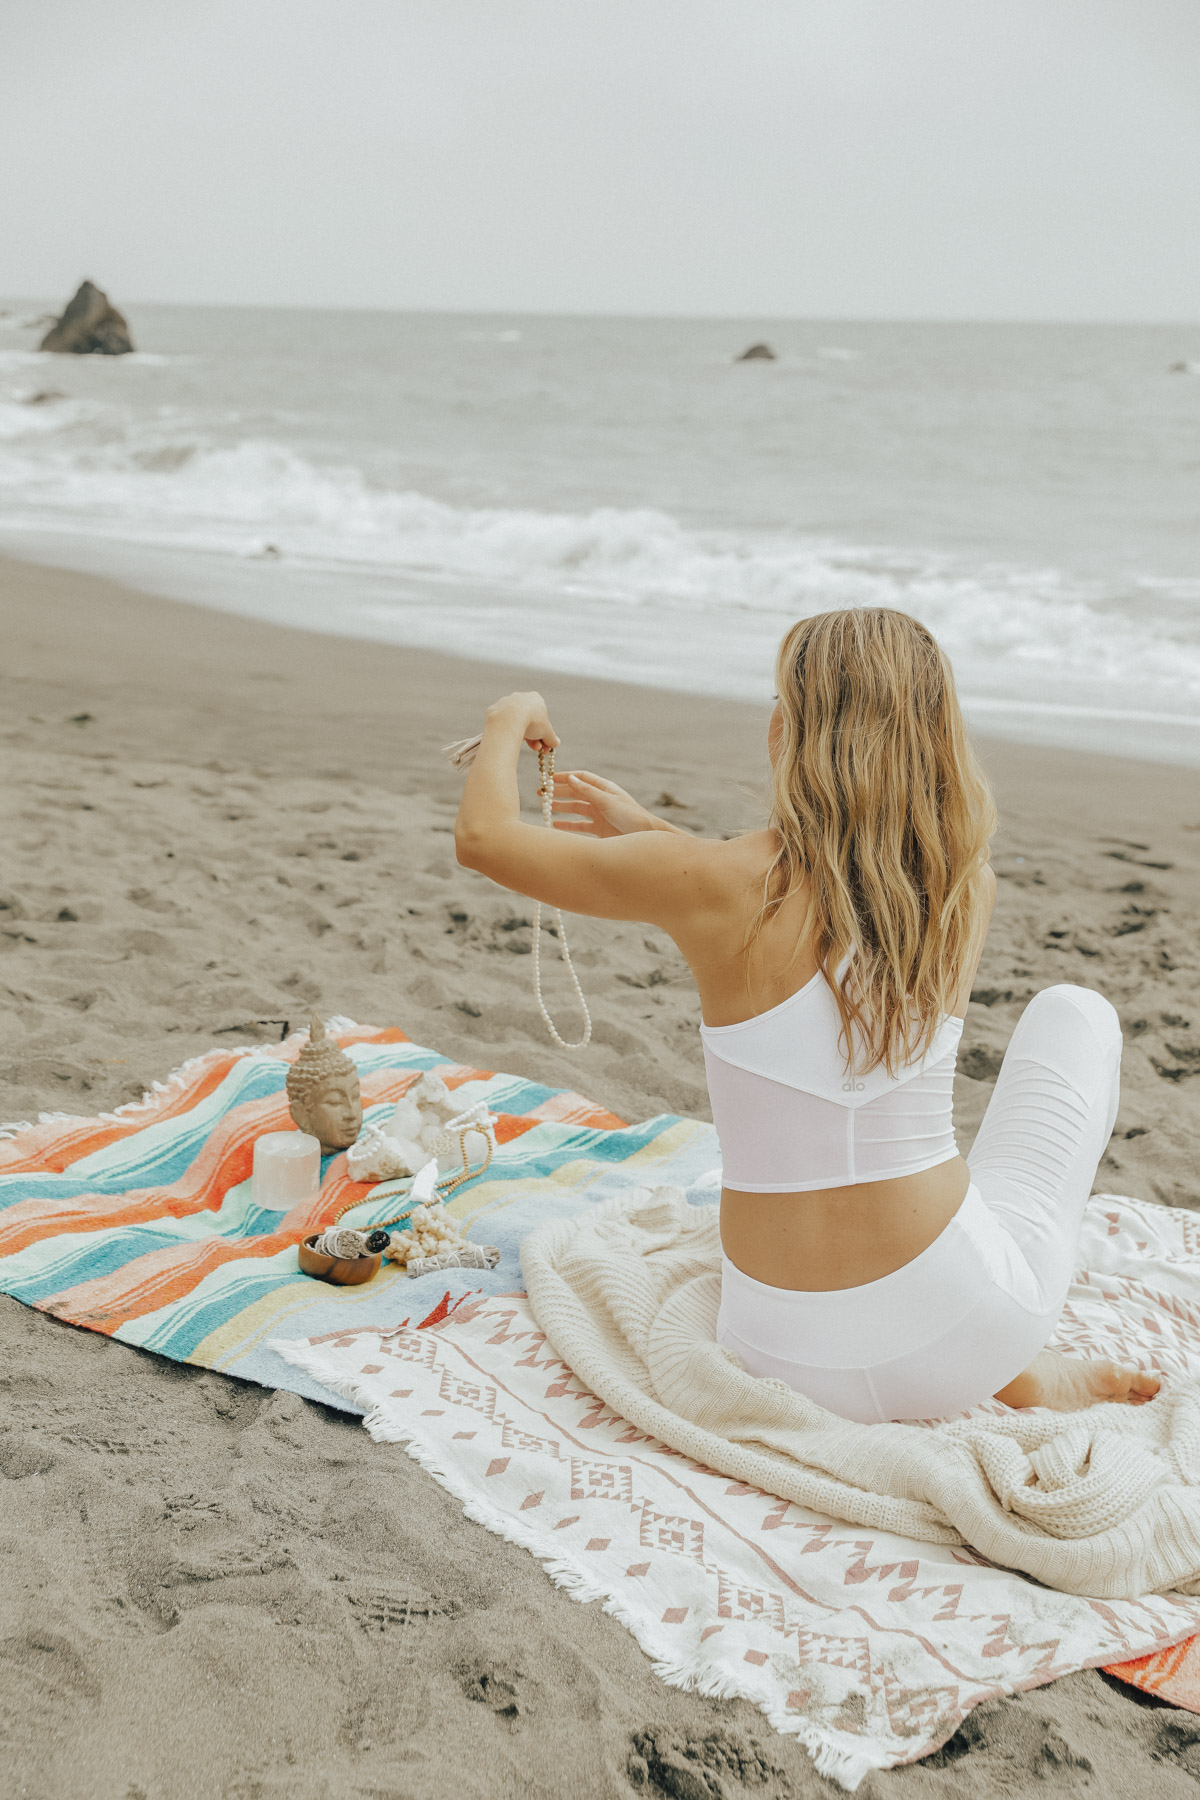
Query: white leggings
{"points": [[971, 1312]]}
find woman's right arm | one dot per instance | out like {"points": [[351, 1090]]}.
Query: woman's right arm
{"points": [[665, 878]]}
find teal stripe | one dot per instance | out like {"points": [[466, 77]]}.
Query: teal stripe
{"points": [[519, 1183]]}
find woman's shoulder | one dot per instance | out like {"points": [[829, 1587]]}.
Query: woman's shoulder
{"points": [[750, 851], [728, 876], [743, 856], [701, 872]]}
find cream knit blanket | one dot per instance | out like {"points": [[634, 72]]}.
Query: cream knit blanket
{"points": [[1104, 1503]]}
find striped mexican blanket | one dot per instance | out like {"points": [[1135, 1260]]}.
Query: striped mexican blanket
{"points": [[141, 1223]]}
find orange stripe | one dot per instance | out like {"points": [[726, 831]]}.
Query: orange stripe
{"points": [[512, 1125], [55, 1147], [365, 1034], [1173, 1674], [224, 1160], [458, 1074], [164, 1276], [572, 1109]]}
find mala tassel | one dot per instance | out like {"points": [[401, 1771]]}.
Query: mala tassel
{"points": [[434, 1241], [461, 753]]}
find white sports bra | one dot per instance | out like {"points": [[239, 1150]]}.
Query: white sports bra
{"points": [[790, 1117]]}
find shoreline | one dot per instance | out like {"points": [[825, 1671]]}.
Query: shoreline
{"points": [[213, 824], [390, 609], [293, 646]]}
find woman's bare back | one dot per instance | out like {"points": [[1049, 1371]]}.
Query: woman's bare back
{"points": [[834, 1237]]}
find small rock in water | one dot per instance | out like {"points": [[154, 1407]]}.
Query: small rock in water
{"points": [[90, 326], [757, 353]]}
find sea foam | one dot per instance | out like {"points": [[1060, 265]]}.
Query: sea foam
{"points": [[142, 454]]}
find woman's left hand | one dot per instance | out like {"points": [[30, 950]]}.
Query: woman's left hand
{"points": [[588, 803]]}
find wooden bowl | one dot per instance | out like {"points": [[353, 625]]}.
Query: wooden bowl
{"points": [[343, 1271]]}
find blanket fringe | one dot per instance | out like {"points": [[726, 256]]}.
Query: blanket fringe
{"points": [[170, 1084], [846, 1767]]}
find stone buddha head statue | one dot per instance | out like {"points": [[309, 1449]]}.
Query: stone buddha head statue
{"points": [[323, 1093]]}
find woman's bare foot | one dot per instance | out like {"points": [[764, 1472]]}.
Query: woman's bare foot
{"points": [[1069, 1383]]}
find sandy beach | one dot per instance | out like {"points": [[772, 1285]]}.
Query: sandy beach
{"points": [[211, 825]]}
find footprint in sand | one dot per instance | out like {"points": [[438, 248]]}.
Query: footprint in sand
{"points": [[499, 1686], [1177, 1740], [1031, 1744], [400, 1614], [23, 1456], [693, 1765], [43, 1679]]}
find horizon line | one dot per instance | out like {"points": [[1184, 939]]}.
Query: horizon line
{"points": [[1097, 322]]}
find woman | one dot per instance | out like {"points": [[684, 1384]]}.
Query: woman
{"points": [[865, 1262]]}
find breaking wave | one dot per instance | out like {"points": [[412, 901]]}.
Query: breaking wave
{"points": [[1017, 629]]}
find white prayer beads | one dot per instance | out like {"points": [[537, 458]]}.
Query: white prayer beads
{"points": [[462, 755], [546, 792]]}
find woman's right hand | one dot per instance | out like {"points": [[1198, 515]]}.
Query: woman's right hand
{"points": [[588, 803], [529, 712]]}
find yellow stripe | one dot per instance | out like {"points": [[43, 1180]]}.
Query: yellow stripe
{"points": [[569, 1178], [247, 1329]]}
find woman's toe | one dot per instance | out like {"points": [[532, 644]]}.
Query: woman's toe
{"points": [[1114, 1381]]}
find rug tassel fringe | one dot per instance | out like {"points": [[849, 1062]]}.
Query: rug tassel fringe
{"points": [[170, 1084]]}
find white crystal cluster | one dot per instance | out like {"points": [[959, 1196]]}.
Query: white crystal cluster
{"points": [[425, 1125], [431, 1232], [425, 1136]]}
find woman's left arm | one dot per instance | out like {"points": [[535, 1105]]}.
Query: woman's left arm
{"points": [[655, 876]]}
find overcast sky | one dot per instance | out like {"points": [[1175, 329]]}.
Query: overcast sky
{"points": [[827, 158]]}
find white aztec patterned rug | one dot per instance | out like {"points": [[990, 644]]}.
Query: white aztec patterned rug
{"points": [[868, 1647]]}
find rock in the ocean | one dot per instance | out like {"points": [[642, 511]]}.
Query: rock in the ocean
{"points": [[757, 353], [90, 326]]}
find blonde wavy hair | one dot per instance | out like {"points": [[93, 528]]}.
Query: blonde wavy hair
{"points": [[881, 809]]}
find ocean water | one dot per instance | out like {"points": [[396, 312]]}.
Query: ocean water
{"points": [[622, 498]]}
